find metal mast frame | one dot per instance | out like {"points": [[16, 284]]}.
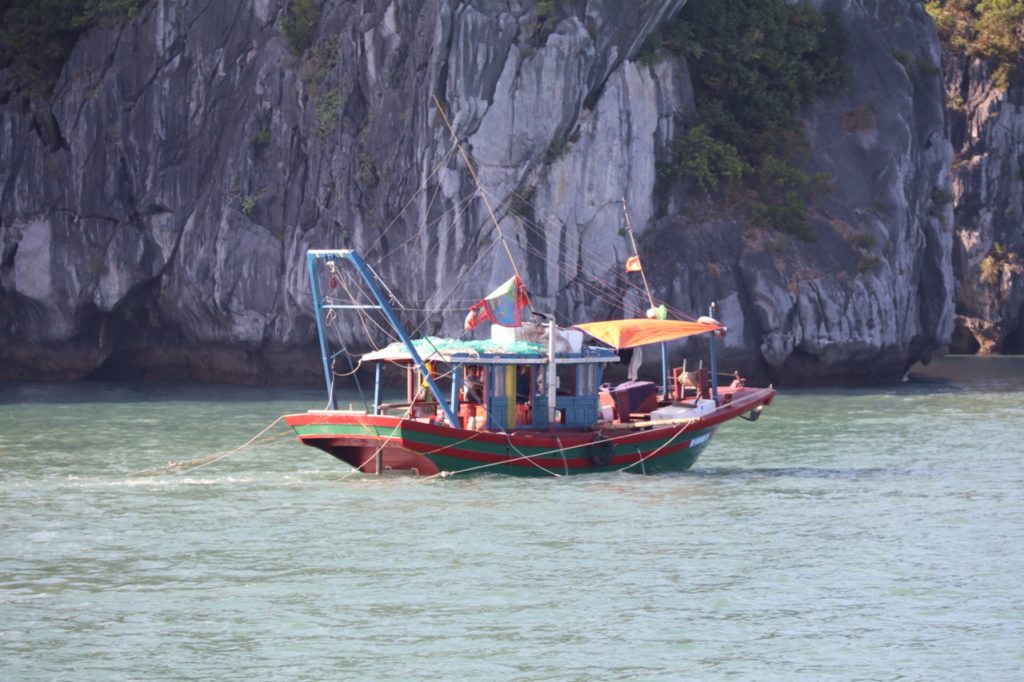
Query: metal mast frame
{"points": [[313, 256]]}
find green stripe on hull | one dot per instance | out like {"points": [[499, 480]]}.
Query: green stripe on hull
{"points": [[348, 430], [425, 442], [675, 461]]}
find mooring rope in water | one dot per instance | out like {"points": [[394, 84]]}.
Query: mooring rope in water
{"points": [[173, 468]]}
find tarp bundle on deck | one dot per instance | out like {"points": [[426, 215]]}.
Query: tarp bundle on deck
{"points": [[432, 345]]}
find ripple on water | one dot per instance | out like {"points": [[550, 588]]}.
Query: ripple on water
{"points": [[848, 534]]}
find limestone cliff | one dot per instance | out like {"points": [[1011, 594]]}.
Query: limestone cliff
{"points": [[987, 130], [155, 210]]}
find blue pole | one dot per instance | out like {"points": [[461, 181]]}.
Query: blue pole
{"points": [[389, 313], [314, 285], [714, 355], [456, 383], [664, 370]]}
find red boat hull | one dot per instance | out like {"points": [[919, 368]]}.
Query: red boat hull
{"points": [[384, 443]]}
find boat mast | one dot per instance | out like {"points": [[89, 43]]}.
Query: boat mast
{"points": [[552, 378], [385, 307], [650, 298], [713, 314], [324, 353], [636, 252]]}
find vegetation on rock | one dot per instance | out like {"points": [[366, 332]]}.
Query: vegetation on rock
{"points": [[992, 265], [299, 25], [36, 36], [542, 22], [754, 64], [986, 29], [328, 112]]}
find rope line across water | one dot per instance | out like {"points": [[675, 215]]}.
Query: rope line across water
{"points": [[174, 468]]}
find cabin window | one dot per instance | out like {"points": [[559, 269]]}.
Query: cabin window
{"points": [[473, 389], [585, 385], [566, 379], [441, 379], [524, 384]]}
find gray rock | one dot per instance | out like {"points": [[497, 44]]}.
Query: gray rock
{"points": [[987, 126], [156, 210]]}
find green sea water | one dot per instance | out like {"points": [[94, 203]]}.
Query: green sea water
{"points": [[868, 534]]}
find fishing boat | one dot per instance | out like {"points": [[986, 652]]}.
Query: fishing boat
{"points": [[530, 400]]}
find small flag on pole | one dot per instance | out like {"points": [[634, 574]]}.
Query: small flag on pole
{"points": [[503, 306], [633, 264]]}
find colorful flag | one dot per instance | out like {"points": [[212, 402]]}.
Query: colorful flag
{"points": [[633, 264], [503, 306]]}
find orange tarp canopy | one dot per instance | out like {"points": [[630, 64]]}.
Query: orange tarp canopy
{"points": [[640, 332]]}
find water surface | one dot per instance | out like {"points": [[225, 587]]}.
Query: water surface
{"points": [[848, 534]]}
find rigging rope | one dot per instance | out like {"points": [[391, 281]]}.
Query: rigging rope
{"points": [[437, 167], [594, 259], [476, 179], [572, 275]]}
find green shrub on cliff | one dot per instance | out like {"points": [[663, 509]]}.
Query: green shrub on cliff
{"points": [[987, 29], [754, 64], [299, 25], [705, 159], [36, 36], [543, 22]]}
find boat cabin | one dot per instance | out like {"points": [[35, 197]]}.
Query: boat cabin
{"points": [[498, 386]]}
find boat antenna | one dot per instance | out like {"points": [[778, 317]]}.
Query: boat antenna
{"points": [[479, 186], [636, 252]]}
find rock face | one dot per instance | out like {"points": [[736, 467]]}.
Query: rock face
{"points": [[155, 211], [987, 131], [874, 293]]}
